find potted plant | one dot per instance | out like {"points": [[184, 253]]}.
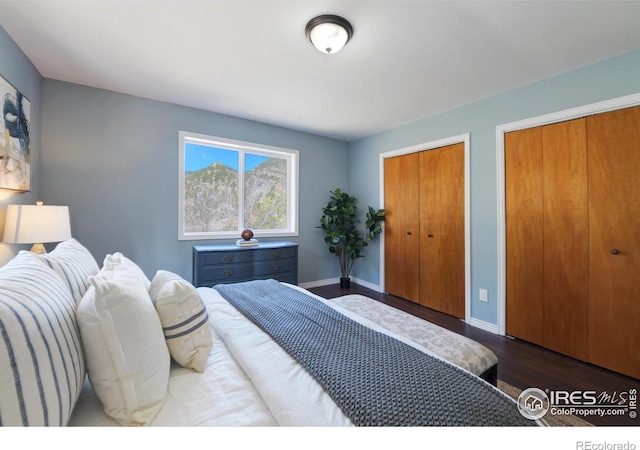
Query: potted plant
{"points": [[342, 235]]}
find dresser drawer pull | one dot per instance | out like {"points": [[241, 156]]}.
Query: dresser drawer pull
{"points": [[275, 254], [275, 267], [227, 273], [228, 258]]}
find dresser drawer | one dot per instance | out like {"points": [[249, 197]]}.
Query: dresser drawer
{"points": [[286, 277], [225, 273], [275, 253], [215, 258], [274, 266]]}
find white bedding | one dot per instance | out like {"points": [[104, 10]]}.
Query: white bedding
{"points": [[249, 380], [222, 395], [297, 400], [292, 395]]}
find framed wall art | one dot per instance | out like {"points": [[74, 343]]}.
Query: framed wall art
{"points": [[15, 147]]}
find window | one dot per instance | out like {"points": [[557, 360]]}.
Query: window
{"points": [[226, 186]]}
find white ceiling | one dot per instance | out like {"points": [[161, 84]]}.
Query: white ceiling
{"points": [[407, 59]]}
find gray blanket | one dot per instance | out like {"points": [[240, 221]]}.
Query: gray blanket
{"points": [[376, 380]]}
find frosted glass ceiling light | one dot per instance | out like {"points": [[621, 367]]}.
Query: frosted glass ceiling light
{"points": [[329, 33]]}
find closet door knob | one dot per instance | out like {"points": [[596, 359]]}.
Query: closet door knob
{"points": [[615, 251], [408, 233], [429, 235]]}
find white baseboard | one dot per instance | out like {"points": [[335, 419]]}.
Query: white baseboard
{"points": [[318, 283], [486, 326], [368, 285]]}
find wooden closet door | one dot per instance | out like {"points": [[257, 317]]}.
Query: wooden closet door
{"points": [[430, 231], [566, 238], [614, 240], [401, 228], [524, 219], [452, 229], [442, 245], [547, 236]]}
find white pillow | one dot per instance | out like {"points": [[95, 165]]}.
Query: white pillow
{"points": [[74, 264], [41, 362], [184, 320], [127, 357], [119, 260]]}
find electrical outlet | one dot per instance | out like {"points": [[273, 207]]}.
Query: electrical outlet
{"points": [[484, 295]]}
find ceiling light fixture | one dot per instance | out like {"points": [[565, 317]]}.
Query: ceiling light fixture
{"points": [[329, 33]]}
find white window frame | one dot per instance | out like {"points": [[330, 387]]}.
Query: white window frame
{"points": [[290, 155]]}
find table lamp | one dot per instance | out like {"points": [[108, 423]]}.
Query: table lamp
{"points": [[36, 224]]}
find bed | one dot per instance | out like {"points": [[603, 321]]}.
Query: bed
{"points": [[232, 368]]}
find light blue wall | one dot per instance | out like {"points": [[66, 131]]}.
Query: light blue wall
{"points": [[113, 158], [16, 68], [614, 78]]}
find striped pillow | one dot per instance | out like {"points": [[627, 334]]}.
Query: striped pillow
{"points": [[184, 320], [74, 263], [41, 361]]}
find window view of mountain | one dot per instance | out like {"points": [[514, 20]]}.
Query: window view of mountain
{"points": [[265, 196], [211, 197]]}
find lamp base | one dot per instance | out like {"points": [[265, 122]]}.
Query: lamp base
{"points": [[38, 249]]}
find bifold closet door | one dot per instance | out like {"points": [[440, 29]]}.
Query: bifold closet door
{"points": [[442, 249], [402, 226], [614, 240], [566, 238], [547, 236], [524, 235]]}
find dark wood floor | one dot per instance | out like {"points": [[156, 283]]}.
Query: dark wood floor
{"points": [[521, 364]]}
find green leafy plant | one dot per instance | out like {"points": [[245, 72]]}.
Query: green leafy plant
{"points": [[340, 225]]}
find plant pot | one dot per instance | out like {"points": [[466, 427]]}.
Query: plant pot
{"points": [[345, 282]]}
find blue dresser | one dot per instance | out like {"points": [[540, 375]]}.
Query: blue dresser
{"points": [[229, 263]]}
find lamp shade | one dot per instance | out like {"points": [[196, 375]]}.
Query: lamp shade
{"points": [[329, 33], [30, 224]]}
